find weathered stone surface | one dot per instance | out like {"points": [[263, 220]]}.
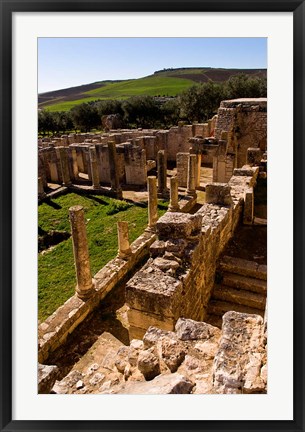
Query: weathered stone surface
{"points": [[47, 376], [178, 225], [243, 267], [148, 364], [162, 384], [241, 355], [173, 353], [188, 329], [153, 335], [157, 248], [248, 172], [65, 386], [218, 193], [153, 292]]}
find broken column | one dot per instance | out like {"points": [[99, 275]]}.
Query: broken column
{"points": [[191, 181], [162, 174], [123, 240], [173, 204], [85, 286], [94, 168], [64, 164], [114, 172], [152, 202]]}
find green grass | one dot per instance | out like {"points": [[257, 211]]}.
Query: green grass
{"points": [[149, 86], [56, 273]]}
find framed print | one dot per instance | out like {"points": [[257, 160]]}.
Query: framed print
{"points": [[129, 332]]}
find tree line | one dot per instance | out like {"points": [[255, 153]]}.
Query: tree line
{"points": [[199, 103]]}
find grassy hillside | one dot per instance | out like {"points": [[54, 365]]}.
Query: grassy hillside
{"points": [[169, 82]]}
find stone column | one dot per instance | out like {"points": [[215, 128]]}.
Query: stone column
{"points": [[74, 163], [85, 286], [173, 204], [191, 180], [152, 202], [64, 164], [123, 240], [198, 165], [41, 192], [114, 172], [162, 174], [94, 168]]}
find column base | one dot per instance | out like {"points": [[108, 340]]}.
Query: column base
{"points": [[124, 255], [85, 294]]}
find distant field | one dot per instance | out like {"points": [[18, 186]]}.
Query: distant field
{"points": [[169, 82], [150, 86]]}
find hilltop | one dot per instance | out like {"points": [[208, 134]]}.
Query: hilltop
{"points": [[166, 82]]}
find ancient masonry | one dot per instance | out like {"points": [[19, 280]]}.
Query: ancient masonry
{"points": [[188, 333]]}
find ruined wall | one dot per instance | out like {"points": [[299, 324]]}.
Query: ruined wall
{"points": [[245, 120], [135, 165], [178, 279]]}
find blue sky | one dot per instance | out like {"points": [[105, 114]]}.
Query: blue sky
{"points": [[68, 62]]}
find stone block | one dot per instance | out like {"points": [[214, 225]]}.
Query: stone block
{"points": [[218, 193], [155, 292], [162, 384], [174, 225]]}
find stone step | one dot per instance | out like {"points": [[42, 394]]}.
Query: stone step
{"points": [[239, 296], [243, 267], [245, 283], [217, 307]]}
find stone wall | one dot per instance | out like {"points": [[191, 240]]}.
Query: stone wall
{"points": [[178, 278], [131, 160], [245, 121]]}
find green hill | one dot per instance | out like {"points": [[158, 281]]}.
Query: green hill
{"points": [[167, 82]]}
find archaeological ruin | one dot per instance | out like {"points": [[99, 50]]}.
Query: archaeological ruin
{"points": [[192, 287]]}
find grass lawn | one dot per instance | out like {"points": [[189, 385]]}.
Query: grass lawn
{"points": [[56, 273]]}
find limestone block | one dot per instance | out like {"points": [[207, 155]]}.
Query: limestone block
{"points": [[241, 355], [162, 384], [243, 172], [156, 293], [153, 335], [148, 364], [157, 248], [173, 353], [178, 225], [218, 193], [187, 329], [47, 375]]}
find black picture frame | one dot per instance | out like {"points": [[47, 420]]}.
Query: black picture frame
{"points": [[7, 9]]}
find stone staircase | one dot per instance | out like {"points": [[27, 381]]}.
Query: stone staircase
{"points": [[240, 286]]}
